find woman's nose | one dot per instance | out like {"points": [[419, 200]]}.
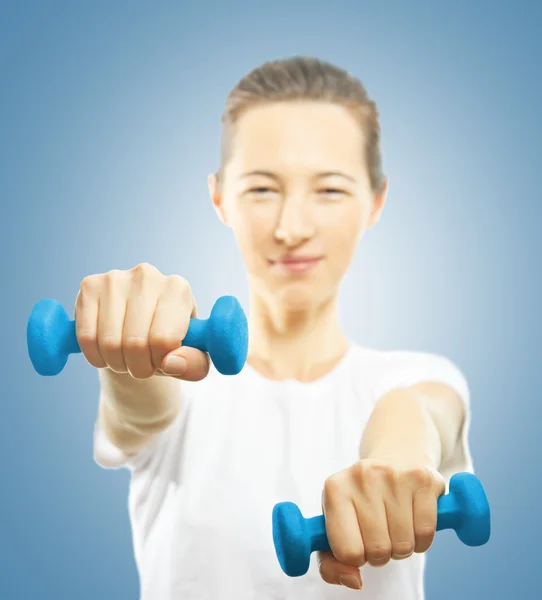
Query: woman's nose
{"points": [[296, 222]]}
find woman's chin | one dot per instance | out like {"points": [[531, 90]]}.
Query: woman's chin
{"points": [[297, 296]]}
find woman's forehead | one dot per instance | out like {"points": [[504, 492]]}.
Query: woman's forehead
{"points": [[311, 135]]}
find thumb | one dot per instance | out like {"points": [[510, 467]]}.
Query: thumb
{"points": [[186, 363], [334, 572]]}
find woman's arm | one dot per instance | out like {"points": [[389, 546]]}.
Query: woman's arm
{"points": [[385, 505], [418, 425], [132, 411]]}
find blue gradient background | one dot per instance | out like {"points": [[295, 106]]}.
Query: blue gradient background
{"points": [[109, 126]]}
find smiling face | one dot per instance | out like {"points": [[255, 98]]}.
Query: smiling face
{"points": [[297, 195]]}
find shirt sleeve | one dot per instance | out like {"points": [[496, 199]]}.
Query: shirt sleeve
{"points": [[108, 456], [403, 369]]}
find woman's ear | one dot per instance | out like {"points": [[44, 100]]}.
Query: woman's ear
{"points": [[216, 196], [378, 204]]}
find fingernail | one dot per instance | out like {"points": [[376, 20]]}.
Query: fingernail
{"points": [[174, 365], [350, 581]]}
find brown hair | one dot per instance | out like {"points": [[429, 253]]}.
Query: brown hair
{"points": [[305, 78]]}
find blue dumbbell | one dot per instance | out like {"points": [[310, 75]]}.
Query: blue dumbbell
{"points": [[51, 336], [465, 509]]}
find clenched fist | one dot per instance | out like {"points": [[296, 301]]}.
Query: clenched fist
{"points": [[377, 511], [134, 322]]}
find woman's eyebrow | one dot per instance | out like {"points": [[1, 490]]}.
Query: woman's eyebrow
{"points": [[317, 176], [262, 173], [335, 174]]}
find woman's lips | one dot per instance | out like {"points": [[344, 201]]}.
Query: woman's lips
{"points": [[300, 264]]}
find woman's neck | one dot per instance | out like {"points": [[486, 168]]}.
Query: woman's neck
{"points": [[303, 345]]}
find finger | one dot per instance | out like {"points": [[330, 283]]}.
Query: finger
{"points": [[342, 526], [373, 523], [111, 316], [195, 365], [86, 322], [399, 514], [335, 573], [135, 336], [425, 519], [174, 309], [171, 319]]}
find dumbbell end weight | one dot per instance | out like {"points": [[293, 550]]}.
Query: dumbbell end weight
{"points": [[224, 335], [466, 510], [295, 538], [50, 337]]}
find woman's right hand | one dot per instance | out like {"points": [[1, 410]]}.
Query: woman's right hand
{"points": [[134, 322]]}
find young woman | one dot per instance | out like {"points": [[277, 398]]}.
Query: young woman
{"points": [[368, 436]]}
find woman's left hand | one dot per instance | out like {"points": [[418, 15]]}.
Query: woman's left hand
{"points": [[377, 511]]}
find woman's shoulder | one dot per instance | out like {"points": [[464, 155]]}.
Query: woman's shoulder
{"points": [[386, 358], [387, 369]]}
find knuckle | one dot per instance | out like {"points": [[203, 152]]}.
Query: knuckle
{"points": [[112, 278], [420, 478], [354, 557], [142, 273], [369, 474], [362, 475], [86, 337], [403, 549], [90, 284], [97, 363], [333, 486], [110, 343], [424, 532], [164, 342], [179, 285], [360, 468], [113, 274], [135, 343], [145, 274], [145, 269], [378, 552]]}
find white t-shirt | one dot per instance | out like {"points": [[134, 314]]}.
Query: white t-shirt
{"points": [[202, 492]]}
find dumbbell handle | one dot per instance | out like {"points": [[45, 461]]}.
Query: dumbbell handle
{"points": [[196, 335], [447, 516], [194, 338]]}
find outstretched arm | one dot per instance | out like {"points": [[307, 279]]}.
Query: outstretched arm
{"points": [[385, 505]]}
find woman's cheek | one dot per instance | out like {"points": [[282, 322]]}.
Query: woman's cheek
{"points": [[254, 238], [343, 233]]}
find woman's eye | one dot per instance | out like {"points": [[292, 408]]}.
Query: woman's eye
{"points": [[260, 193], [332, 193]]}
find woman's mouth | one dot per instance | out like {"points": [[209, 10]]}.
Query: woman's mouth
{"points": [[296, 264]]}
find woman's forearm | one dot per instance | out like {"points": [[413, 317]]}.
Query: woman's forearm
{"points": [[132, 411], [414, 426]]}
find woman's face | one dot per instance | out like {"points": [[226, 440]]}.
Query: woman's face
{"points": [[297, 196]]}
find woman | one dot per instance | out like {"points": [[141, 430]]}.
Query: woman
{"points": [[368, 436]]}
